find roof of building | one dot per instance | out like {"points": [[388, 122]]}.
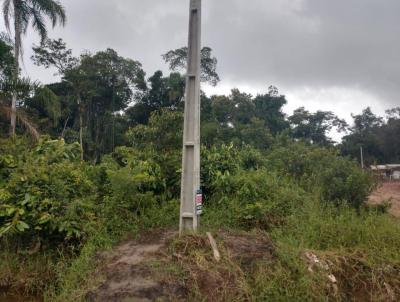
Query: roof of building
{"points": [[386, 167]]}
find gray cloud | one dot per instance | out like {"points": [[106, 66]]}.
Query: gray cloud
{"points": [[317, 43], [313, 45]]}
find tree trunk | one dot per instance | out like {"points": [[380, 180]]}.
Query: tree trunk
{"points": [[17, 47], [64, 128], [80, 124], [97, 141]]}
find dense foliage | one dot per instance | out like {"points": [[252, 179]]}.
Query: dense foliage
{"points": [[46, 193], [377, 136]]}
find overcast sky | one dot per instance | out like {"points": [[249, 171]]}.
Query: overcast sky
{"points": [[339, 55]]}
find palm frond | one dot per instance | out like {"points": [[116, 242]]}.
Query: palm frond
{"points": [[24, 15], [53, 9], [28, 125], [6, 13], [39, 24], [23, 11], [21, 15], [23, 85]]}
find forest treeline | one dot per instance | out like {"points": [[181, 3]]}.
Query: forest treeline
{"points": [[102, 98]]}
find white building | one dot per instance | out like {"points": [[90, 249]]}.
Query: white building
{"points": [[389, 172]]}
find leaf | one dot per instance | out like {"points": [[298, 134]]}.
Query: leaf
{"points": [[22, 226], [4, 230], [10, 210], [44, 218], [27, 199]]}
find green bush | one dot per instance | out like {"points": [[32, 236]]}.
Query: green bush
{"points": [[132, 172], [47, 195], [322, 170], [343, 180], [163, 132], [7, 164], [215, 163], [130, 183], [257, 198]]}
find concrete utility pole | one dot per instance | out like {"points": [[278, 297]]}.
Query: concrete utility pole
{"points": [[190, 185]]}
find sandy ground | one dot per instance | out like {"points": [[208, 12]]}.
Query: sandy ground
{"points": [[388, 192]]}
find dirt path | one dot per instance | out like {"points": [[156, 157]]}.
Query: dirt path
{"points": [[127, 275], [388, 191]]}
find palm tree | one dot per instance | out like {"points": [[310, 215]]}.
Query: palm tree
{"points": [[25, 12], [22, 87]]}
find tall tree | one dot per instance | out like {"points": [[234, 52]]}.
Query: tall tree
{"points": [[160, 92], [177, 60], [314, 127], [102, 85], [378, 136], [268, 107], [23, 12], [54, 53], [112, 82], [366, 121]]}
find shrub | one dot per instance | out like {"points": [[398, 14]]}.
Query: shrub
{"points": [[7, 164], [322, 170], [130, 171], [257, 198], [131, 183], [47, 195], [217, 162], [343, 180], [163, 132]]}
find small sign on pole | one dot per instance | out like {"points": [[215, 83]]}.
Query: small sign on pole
{"points": [[199, 202]]}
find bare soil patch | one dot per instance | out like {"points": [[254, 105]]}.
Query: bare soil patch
{"points": [[127, 274], [164, 267], [247, 249], [387, 192]]}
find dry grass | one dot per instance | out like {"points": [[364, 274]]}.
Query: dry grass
{"points": [[189, 263], [23, 119]]}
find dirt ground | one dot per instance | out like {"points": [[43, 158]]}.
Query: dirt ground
{"points": [[388, 192], [127, 276], [187, 271]]}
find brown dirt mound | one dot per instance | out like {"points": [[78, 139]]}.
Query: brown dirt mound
{"points": [[128, 276], [388, 192], [163, 267], [189, 263], [247, 249]]}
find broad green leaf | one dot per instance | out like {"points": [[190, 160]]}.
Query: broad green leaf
{"points": [[22, 226]]}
